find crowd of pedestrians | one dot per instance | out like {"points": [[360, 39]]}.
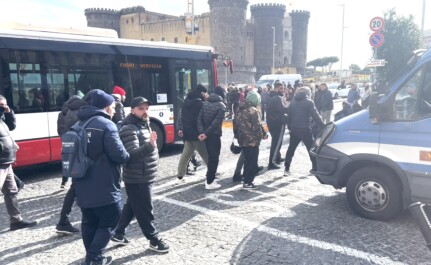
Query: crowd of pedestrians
{"points": [[123, 147]]}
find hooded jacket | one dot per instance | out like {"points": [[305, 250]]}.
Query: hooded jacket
{"points": [[211, 116], [248, 127], [300, 111], [143, 163], [101, 184], [8, 147], [189, 118]]}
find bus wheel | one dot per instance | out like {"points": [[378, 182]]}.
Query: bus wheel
{"points": [[160, 136], [374, 193]]}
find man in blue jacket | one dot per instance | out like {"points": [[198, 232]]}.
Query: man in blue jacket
{"points": [[98, 193]]}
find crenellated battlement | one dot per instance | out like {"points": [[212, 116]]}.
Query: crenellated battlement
{"points": [[268, 5], [230, 3], [268, 9], [298, 13], [98, 10], [132, 10]]}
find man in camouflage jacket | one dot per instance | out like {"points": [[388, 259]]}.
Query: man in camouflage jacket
{"points": [[249, 131]]}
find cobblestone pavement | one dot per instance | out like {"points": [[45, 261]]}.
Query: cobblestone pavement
{"points": [[288, 220]]}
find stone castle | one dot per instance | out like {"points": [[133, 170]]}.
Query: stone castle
{"points": [[271, 37]]}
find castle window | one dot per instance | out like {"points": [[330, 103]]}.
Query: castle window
{"points": [[176, 40], [286, 35], [127, 21], [133, 20], [286, 61], [152, 39], [163, 39], [187, 39]]}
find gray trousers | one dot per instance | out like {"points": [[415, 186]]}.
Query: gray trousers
{"points": [[10, 190], [189, 148], [326, 116]]}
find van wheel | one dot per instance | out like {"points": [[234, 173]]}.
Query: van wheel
{"points": [[374, 193], [335, 95], [160, 136]]}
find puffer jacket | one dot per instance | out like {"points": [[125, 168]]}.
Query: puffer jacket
{"points": [[8, 147], [189, 117], [119, 110], [300, 111], [73, 104], [248, 128], [101, 184], [144, 159], [211, 116], [275, 108]]}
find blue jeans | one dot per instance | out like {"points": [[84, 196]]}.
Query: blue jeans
{"points": [[97, 227]]}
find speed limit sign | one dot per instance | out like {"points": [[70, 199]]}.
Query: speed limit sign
{"points": [[377, 24]]}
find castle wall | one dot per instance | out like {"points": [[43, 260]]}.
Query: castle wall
{"points": [[249, 50]]}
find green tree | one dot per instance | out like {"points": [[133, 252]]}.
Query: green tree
{"points": [[401, 37]]}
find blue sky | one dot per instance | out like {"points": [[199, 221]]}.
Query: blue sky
{"points": [[325, 26]]}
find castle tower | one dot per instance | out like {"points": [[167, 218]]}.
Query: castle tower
{"points": [[265, 17], [228, 28], [228, 37], [103, 18], [299, 38]]}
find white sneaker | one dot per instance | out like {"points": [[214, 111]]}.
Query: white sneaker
{"points": [[286, 173], [181, 180], [214, 185]]}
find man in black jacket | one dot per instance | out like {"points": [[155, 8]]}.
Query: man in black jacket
{"points": [[209, 124], [139, 174], [8, 149], [298, 121], [324, 103], [275, 115], [187, 128]]}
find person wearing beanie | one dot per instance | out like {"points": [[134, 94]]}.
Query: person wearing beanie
{"points": [[139, 175], [120, 96], [249, 131], [209, 124], [100, 210]]}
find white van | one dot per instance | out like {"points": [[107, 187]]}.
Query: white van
{"points": [[270, 79]]}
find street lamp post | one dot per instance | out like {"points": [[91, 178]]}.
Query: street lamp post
{"points": [[273, 47], [342, 43]]}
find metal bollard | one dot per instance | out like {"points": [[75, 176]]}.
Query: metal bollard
{"points": [[418, 211]]}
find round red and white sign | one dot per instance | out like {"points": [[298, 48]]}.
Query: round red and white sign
{"points": [[377, 24]]}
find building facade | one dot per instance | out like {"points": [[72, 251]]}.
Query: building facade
{"points": [[271, 39]]}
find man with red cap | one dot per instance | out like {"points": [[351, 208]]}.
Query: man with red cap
{"points": [[120, 96]]}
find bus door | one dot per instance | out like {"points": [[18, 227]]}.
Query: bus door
{"points": [[187, 76], [26, 96]]}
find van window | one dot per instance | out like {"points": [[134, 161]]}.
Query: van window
{"points": [[413, 100]]}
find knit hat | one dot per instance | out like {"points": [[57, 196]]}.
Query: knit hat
{"points": [[253, 97], [138, 101], [201, 88], [100, 99], [118, 90]]}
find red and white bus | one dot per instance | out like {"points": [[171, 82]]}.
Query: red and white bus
{"points": [[41, 69]]}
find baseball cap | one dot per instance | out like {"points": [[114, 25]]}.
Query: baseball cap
{"points": [[138, 101]]}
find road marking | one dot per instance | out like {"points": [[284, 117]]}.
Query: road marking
{"points": [[285, 235]]}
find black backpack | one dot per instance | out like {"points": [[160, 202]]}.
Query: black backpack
{"points": [[74, 159]]}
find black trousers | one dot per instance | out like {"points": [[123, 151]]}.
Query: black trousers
{"points": [[275, 131], [140, 205], [213, 144], [251, 155], [296, 136], [69, 199]]}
